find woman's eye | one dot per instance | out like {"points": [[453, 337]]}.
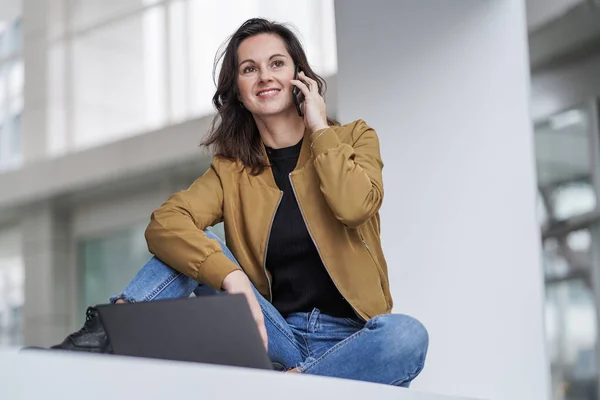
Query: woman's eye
{"points": [[278, 63], [248, 69]]}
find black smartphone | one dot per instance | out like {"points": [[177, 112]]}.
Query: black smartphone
{"points": [[297, 93]]}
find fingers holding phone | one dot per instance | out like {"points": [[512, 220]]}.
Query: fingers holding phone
{"points": [[309, 102], [297, 95]]}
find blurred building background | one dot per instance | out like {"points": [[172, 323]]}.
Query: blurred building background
{"points": [[102, 104], [118, 96]]}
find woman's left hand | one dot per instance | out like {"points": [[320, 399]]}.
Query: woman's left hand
{"points": [[315, 111]]}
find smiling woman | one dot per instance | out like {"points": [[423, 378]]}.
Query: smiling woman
{"points": [[255, 86], [299, 197]]}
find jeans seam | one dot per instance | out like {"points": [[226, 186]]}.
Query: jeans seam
{"points": [[409, 377], [308, 351], [161, 287], [279, 327], [331, 350]]}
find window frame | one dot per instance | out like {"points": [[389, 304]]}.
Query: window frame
{"points": [[8, 158]]}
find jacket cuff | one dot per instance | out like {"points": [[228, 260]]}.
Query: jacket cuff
{"points": [[215, 268], [323, 140]]}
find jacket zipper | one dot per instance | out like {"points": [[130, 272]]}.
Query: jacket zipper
{"points": [[267, 246], [317, 247], [365, 243], [371, 254]]}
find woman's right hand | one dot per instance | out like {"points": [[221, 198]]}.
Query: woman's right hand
{"points": [[237, 282]]}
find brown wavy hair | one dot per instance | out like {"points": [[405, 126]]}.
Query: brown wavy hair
{"points": [[234, 134]]}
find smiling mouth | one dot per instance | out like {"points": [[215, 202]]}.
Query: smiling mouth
{"points": [[267, 93]]}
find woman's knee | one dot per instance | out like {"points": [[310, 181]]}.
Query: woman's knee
{"points": [[403, 333]]}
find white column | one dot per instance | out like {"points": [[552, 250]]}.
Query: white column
{"points": [[446, 85], [45, 127], [35, 35], [48, 280]]}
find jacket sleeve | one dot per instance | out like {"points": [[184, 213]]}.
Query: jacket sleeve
{"points": [[351, 176], [176, 235]]}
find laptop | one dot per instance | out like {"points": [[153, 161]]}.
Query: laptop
{"points": [[216, 329]]}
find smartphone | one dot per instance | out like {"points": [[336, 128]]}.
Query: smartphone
{"points": [[297, 93]]}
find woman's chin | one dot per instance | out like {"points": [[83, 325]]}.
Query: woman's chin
{"points": [[267, 112]]}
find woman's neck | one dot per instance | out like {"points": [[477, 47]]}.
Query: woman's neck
{"points": [[280, 131]]}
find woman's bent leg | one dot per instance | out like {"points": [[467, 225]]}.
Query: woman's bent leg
{"points": [[390, 349], [156, 281]]}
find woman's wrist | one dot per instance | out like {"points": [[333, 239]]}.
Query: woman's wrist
{"points": [[234, 280], [319, 128]]}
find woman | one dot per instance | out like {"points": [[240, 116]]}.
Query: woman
{"points": [[299, 197]]}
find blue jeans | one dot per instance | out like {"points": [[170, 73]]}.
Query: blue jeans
{"points": [[387, 349]]}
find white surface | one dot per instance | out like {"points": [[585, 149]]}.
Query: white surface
{"points": [[54, 375], [446, 85]]}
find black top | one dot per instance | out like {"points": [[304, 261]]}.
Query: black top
{"points": [[300, 281]]}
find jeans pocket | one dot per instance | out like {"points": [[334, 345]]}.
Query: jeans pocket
{"points": [[355, 322]]}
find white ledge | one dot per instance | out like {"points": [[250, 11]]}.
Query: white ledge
{"points": [[63, 375]]}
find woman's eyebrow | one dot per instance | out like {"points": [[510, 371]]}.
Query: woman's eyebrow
{"points": [[251, 60]]}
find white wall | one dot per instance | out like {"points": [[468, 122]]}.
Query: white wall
{"points": [[446, 85]]}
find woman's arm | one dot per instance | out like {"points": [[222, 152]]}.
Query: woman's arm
{"points": [[351, 176], [176, 231]]}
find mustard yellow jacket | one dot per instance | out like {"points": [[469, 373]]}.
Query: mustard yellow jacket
{"points": [[338, 185]]}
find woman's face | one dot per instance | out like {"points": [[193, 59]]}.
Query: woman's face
{"points": [[265, 69]]}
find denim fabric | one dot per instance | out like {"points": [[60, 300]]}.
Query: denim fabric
{"points": [[387, 349]]}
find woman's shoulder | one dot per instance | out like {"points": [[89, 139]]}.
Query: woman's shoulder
{"points": [[226, 164], [353, 131]]}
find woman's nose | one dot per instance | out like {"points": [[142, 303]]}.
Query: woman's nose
{"points": [[265, 75]]}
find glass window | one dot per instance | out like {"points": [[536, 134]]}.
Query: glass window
{"points": [[119, 79], [15, 79], [563, 161], [568, 257], [11, 93], [555, 263], [11, 301], [10, 38], [15, 43], [580, 241], [108, 263], [85, 13], [572, 199], [12, 290], [541, 211], [571, 334]]}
